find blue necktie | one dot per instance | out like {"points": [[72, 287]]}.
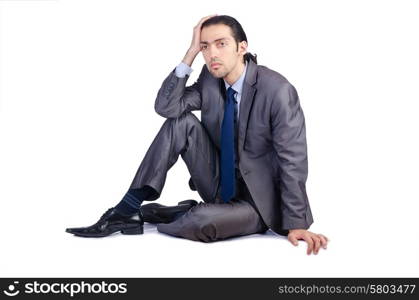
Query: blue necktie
{"points": [[227, 148]]}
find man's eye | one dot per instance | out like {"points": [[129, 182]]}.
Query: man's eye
{"points": [[204, 47]]}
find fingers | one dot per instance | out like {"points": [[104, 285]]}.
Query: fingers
{"points": [[317, 244], [310, 243], [293, 240], [196, 37], [323, 240], [314, 241], [203, 20], [206, 18]]}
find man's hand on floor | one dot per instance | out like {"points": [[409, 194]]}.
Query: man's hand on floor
{"points": [[314, 241]]}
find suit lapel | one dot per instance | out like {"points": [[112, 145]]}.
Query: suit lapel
{"points": [[246, 102]]}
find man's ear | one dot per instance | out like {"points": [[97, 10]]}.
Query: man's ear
{"points": [[243, 47]]}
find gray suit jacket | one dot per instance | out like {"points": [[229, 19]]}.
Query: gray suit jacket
{"points": [[271, 137]]}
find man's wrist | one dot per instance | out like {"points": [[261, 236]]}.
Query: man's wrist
{"points": [[190, 57]]}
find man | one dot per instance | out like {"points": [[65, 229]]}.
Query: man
{"points": [[247, 157]]}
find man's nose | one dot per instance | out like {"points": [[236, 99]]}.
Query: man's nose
{"points": [[213, 52]]}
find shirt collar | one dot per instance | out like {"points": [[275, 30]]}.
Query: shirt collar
{"points": [[238, 85]]}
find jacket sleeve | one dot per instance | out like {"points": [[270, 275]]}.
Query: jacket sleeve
{"points": [[289, 141], [174, 98]]}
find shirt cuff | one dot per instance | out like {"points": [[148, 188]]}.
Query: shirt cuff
{"points": [[182, 70]]}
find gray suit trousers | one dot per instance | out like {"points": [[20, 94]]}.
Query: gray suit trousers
{"points": [[212, 219]]}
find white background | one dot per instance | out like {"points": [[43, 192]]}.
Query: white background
{"points": [[78, 81]]}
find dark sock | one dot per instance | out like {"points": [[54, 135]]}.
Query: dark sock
{"points": [[131, 202]]}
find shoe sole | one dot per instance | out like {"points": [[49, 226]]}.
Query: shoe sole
{"points": [[125, 231]]}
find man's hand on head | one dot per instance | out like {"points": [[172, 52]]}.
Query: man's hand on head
{"points": [[195, 46], [314, 241]]}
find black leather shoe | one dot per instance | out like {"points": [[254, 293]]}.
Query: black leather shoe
{"points": [[158, 213], [111, 222]]}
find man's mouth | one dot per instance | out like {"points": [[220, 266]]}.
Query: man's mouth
{"points": [[215, 65]]}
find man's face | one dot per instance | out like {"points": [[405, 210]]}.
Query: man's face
{"points": [[220, 50]]}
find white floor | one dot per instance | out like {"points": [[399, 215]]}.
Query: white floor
{"points": [[35, 244], [157, 255]]}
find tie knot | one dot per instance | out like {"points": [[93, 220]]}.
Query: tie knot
{"points": [[230, 92]]}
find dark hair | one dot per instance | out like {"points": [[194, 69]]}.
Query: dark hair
{"points": [[236, 29]]}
